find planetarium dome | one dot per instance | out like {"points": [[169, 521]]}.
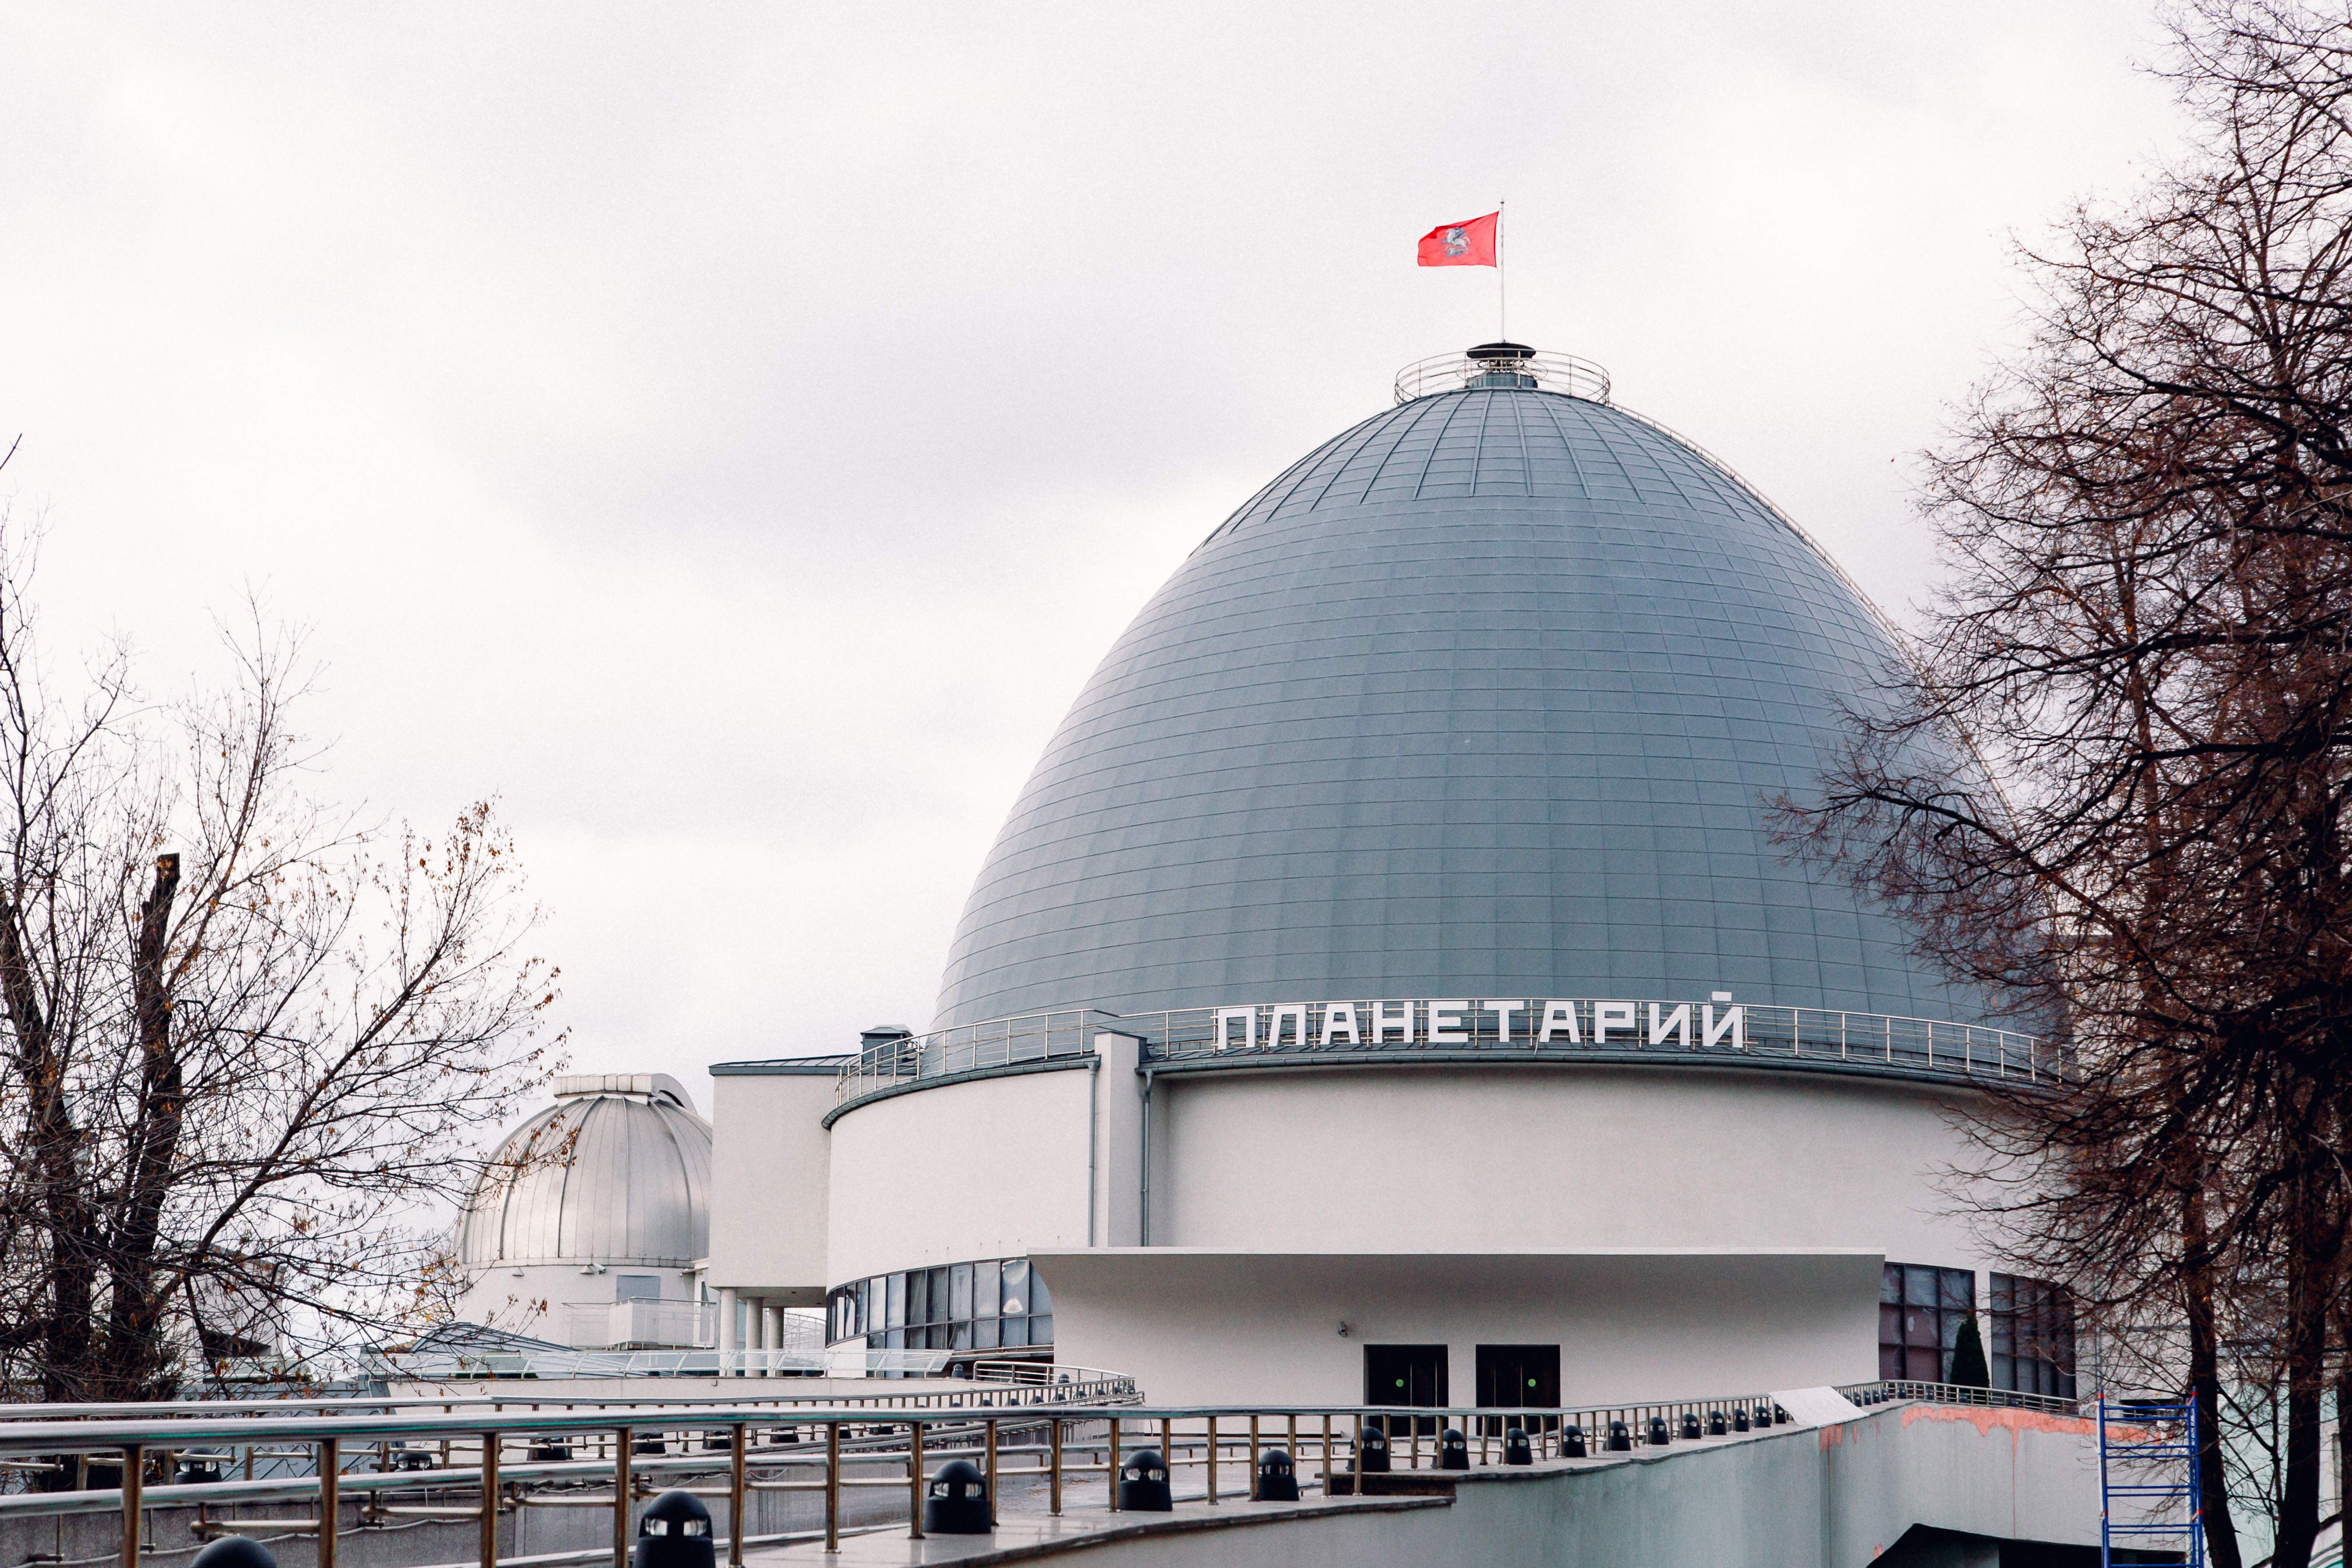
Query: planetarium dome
{"points": [[1489, 695], [617, 1170]]}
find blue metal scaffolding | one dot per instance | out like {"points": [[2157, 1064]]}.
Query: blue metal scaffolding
{"points": [[2152, 1447]]}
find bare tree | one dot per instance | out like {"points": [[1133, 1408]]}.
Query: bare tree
{"points": [[2147, 637], [251, 1043]]}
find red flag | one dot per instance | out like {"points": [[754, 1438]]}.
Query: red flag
{"points": [[1467, 244]]}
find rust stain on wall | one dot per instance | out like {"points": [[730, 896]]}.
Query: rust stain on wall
{"points": [[1985, 1419]]}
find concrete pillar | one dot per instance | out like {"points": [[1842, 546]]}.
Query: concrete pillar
{"points": [[768, 1335], [1117, 1141], [727, 1332]]}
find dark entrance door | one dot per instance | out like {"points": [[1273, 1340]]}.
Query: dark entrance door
{"points": [[1405, 1375], [1516, 1377]]}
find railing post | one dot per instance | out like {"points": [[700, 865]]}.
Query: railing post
{"points": [[915, 1479], [622, 1439], [134, 1462], [991, 1470], [330, 1502], [1356, 1456], [1213, 1461], [1110, 1462], [1055, 1487], [1253, 1464], [833, 1486], [490, 1554], [739, 1447], [1327, 1453]]}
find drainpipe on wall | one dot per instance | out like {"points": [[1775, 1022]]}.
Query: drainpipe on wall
{"points": [[1094, 1121], [1144, 1229]]}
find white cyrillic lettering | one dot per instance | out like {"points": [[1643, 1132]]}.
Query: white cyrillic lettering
{"points": [[1445, 1024], [1558, 1017], [1677, 1020], [1339, 1016], [1296, 1013], [1384, 1021], [1503, 1011], [1248, 1015], [1608, 1015], [1735, 1024]]}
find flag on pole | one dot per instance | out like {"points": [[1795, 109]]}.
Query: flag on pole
{"points": [[1470, 243]]}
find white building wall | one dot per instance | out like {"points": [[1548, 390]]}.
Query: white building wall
{"points": [[1548, 1159], [989, 1167], [1218, 1328], [773, 1177]]}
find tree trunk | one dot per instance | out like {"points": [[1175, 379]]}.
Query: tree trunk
{"points": [[2311, 1289], [136, 1355], [2205, 1385]]}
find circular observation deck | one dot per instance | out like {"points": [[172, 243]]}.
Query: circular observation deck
{"points": [[1502, 367]]}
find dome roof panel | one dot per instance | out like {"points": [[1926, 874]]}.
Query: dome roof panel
{"points": [[1489, 694], [604, 1175]]}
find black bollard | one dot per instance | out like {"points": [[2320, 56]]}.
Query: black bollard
{"points": [[1516, 1449], [674, 1533], [1453, 1450], [1143, 1483], [958, 1501], [1278, 1476]]}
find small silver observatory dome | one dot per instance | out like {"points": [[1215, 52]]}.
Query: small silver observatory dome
{"points": [[1489, 695], [616, 1171]]}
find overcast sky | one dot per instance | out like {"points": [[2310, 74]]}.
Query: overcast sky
{"points": [[732, 434]]}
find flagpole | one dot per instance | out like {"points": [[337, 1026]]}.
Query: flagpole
{"points": [[1502, 282]]}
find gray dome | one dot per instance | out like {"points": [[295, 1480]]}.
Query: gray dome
{"points": [[616, 1171], [1488, 696]]}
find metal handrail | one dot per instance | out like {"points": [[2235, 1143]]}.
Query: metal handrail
{"points": [[1964, 1394], [1651, 1030], [934, 1421], [1545, 371], [1661, 1031], [969, 1048]]}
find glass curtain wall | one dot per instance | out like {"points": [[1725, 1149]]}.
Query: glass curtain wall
{"points": [[1920, 1310], [2032, 1344], [983, 1307]]}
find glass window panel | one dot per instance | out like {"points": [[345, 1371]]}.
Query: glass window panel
{"points": [[894, 1313], [1960, 1288], [895, 1340], [918, 1297], [865, 1306], [961, 1337], [1920, 1328], [1014, 1332], [983, 1334], [984, 1283], [1040, 1298], [1016, 1287], [960, 1291], [1890, 1284], [1041, 1329], [1919, 1285], [939, 1295]]}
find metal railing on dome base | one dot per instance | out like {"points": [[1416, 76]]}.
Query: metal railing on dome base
{"points": [[1724, 1033], [1678, 1031], [1526, 370], [972, 1047]]}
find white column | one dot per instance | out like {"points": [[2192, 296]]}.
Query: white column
{"points": [[727, 1332], [768, 1335]]}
